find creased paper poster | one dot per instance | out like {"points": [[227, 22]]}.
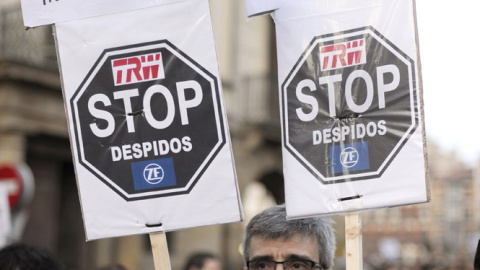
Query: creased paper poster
{"points": [[351, 105], [148, 128]]}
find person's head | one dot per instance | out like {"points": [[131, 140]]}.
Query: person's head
{"points": [[23, 257], [270, 237], [203, 261]]}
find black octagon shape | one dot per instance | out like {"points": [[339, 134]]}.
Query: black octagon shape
{"points": [[347, 117], [140, 134]]}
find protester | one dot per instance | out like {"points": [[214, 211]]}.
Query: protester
{"points": [[203, 261], [23, 257], [271, 239]]}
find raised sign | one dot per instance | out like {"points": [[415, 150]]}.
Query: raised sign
{"points": [[351, 106], [147, 124]]}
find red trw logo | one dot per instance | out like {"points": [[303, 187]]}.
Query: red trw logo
{"points": [[342, 55], [147, 67]]}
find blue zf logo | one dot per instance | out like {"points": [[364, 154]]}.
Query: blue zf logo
{"points": [[349, 157], [153, 174]]}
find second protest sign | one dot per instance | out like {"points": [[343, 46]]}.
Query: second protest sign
{"points": [[351, 106]]}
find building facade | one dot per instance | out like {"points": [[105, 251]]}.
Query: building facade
{"points": [[441, 233]]}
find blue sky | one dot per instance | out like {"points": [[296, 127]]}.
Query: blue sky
{"points": [[449, 41]]}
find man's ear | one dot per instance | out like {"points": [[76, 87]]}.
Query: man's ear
{"points": [[245, 268]]}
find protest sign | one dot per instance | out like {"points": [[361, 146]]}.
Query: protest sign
{"points": [[351, 106], [148, 128]]}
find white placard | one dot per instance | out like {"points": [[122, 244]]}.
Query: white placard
{"points": [[5, 218], [146, 120], [352, 117], [44, 12]]}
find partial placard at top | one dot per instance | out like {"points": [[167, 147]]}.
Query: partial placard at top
{"points": [[44, 12], [260, 7], [257, 7]]}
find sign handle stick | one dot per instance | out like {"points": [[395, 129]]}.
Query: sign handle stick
{"points": [[161, 258], [353, 241]]}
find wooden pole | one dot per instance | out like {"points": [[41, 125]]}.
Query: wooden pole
{"points": [[161, 259], [353, 241]]}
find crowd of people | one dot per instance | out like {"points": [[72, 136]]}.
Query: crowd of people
{"points": [[269, 240]]}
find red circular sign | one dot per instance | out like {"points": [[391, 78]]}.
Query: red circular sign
{"points": [[11, 176]]}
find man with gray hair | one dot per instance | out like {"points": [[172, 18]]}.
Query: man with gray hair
{"points": [[299, 244]]}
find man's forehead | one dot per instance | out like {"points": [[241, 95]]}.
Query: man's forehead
{"points": [[281, 248]]}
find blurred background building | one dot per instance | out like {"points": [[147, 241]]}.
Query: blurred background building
{"points": [[442, 234], [33, 130]]}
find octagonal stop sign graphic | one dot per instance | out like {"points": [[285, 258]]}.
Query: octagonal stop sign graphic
{"points": [[147, 120], [349, 105]]}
